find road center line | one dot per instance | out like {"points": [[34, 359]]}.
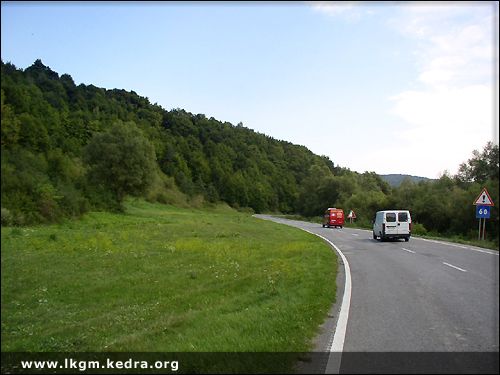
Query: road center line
{"points": [[458, 268], [410, 251], [354, 234]]}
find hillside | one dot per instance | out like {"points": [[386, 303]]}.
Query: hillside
{"points": [[67, 149], [48, 123]]}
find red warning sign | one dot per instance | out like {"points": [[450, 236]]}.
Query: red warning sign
{"points": [[484, 199]]}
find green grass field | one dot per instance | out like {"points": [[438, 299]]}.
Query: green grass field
{"points": [[164, 279]]}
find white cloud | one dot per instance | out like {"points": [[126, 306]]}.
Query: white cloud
{"points": [[348, 10], [447, 123], [453, 112], [333, 7], [450, 108], [454, 42], [445, 109]]}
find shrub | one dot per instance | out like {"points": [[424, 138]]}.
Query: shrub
{"points": [[122, 160], [418, 229], [7, 217]]}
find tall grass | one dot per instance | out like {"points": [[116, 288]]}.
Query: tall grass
{"points": [[164, 279]]}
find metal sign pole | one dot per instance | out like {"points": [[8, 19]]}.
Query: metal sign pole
{"points": [[484, 228], [479, 231]]}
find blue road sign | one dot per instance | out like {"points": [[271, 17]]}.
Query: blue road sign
{"points": [[483, 212]]}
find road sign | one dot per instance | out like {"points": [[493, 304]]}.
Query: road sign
{"points": [[483, 212], [483, 204], [484, 199]]}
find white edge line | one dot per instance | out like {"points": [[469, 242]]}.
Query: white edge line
{"points": [[337, 346], [333, 365], [458, 268]]}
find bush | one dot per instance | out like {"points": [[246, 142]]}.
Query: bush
{"points": [[246, 210], [101, 198], [122, 160], [7, 217], [163, 190], [197, 201], [47, 206], [418, 229], [71, 200]]}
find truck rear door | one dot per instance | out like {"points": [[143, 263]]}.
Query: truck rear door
{"points": [[403, 223], [391, 225], [333, 217]]}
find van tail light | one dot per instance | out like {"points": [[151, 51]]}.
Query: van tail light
{"points": [[383, 228], [410, 227]]}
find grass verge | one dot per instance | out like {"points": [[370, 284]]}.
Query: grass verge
{"points": [[164, 279]]}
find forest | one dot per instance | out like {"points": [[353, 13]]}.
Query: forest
{"points": [[68, 149]]}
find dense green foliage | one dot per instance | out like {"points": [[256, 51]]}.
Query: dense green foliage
{"points": [[120, 160], [56, 162]]}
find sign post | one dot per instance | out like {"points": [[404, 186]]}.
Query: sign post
{"points": [[351, 216], [479, 230], [483, 205]]}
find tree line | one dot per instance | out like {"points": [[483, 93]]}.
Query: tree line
{"points": [[67, 149]]}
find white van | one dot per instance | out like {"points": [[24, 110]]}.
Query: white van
{"points": [[392, 224]]}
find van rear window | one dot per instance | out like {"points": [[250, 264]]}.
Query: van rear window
{"points": [[402, 216], [390, 217]]}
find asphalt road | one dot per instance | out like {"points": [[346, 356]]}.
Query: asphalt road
{"points": [[416, 296]]}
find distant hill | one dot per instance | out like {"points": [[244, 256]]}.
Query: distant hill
{"points": [[395, 179]]}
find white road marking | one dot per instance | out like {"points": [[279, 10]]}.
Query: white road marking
{"points": [[354, 234], [333, 365], [458, 268], [410, 251]]}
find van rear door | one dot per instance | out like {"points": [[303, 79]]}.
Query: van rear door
{"points": [[391, 225], [403, 223]]}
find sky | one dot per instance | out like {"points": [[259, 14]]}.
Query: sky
{"points": [[388, 87]]}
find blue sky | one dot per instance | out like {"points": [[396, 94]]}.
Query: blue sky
{"points": [[387, 87]]}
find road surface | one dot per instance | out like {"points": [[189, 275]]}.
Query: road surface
{"points": [[415, 297]]}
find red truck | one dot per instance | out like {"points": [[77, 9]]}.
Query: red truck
{"points": [[333, 217]]}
